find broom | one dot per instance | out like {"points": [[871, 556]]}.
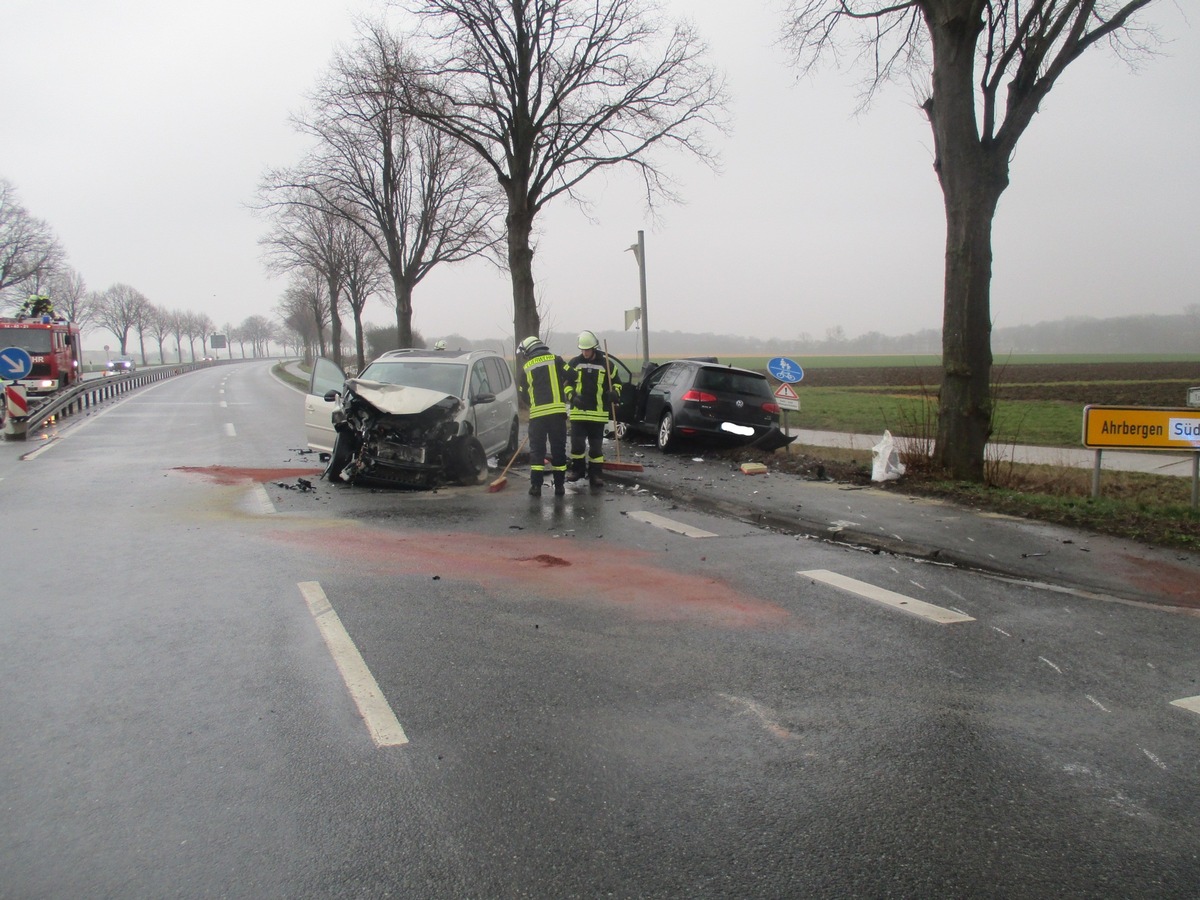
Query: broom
{"points": [[617, 466], [499, 483]]}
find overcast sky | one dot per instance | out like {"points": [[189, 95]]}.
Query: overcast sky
{"points": [[140, 130]]}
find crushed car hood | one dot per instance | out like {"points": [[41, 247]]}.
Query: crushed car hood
{"points": [[399, 399]]}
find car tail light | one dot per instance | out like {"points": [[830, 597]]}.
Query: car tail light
{"points": [[772, 408], [699, 397]]}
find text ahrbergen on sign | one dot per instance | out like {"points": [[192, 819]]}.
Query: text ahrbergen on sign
{"points": [[1141, 428]]}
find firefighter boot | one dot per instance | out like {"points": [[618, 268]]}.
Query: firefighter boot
{"points": [[559, 487], [594, 480], [535, 484]]}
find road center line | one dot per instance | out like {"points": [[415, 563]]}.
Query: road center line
{"points": [[229, 430], [867, 591], [381, 722], [670, 525]]}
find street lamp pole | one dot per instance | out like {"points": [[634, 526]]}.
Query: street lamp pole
{"points": [[639, 251]]}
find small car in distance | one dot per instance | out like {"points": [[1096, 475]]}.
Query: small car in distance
{"points": [[120, 366], [702, 400], [413, 418]]}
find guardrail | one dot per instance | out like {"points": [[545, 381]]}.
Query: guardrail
{"points": [[91, 393]]}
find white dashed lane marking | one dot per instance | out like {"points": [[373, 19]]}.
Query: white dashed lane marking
{"points": [[910, 605], [670, 525], [1191, 704], [381, 722]]}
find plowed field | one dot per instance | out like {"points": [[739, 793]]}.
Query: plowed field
{"points": [[1109, 384]]}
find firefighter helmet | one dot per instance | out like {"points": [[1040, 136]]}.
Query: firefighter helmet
{"points": [[587, 341], [440, 345], [528, 344]]}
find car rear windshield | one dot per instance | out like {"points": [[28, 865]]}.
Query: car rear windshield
{"points": [[448, 378], [728, 381]]}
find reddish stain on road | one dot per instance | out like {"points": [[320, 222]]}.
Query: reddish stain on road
{"points": [[237, 475], [629, 580]]}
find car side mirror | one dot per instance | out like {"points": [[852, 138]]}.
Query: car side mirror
{"points": [[479, 399], [331, 396]]}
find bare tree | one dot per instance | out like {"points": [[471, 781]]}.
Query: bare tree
{"points": [[71, 297], [304, 310], [989, 63], [158, 325], [119, 309], [191, 327], [143, 322], [178, 324], [364, 278], [311, 234], [29, 251], [204, 327], [256, 330], [546, 92], [417, 195]]}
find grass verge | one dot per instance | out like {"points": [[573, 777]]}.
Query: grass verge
{"points": [[1150, 509]]}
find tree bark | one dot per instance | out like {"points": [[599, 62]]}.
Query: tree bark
{"points": [[973, 174], [403, 291], [526, 321]]}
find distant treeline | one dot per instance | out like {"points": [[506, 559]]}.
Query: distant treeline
{"points": [[1127, 334], [1078, 335]]}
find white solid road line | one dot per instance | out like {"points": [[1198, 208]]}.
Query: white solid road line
{"points": [[372, 705], [1192, 704], [670, 525], [888, 598]]}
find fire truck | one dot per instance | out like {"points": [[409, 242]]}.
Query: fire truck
{"points": [[53, 345]]}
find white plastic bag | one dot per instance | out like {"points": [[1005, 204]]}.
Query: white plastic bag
{"points": [[887, 465]]}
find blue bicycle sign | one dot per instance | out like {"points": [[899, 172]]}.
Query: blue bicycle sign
{"points": [[786, 370]]}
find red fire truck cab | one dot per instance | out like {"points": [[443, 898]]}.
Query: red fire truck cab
{"points": [[53, 345]]}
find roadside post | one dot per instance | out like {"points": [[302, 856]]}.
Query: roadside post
{"points": [[788, 372], [1143, 428], [15, 364]]}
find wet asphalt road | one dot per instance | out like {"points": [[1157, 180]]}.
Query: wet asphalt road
{"points": [[593, 704]]}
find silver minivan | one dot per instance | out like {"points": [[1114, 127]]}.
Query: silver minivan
{"points": [[413, 418]]}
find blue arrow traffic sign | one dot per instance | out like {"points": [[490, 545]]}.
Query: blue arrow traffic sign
{"points": [[14, 363], [786, 370]]}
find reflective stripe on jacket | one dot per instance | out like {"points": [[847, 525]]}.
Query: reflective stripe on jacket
{"points": [[591, 383], [547, 385]]}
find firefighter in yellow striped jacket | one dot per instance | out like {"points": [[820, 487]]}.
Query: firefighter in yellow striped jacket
{"points": [[594, 396], [546, 387]]}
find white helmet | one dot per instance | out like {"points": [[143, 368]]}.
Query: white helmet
{"points": [[528, 344], [587, 341], [440, 345]]}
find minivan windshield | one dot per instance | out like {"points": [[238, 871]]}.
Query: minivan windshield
{"points": [[446, 377]]}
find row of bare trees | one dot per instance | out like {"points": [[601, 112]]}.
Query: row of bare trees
{"points": [[541, 94], [444, 142], [32, 261]]}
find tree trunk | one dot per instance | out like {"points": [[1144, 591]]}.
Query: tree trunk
{"points": [[973, 174], [526, 321], [335, 320], [403, 291], [360, 351], [965, 410]]}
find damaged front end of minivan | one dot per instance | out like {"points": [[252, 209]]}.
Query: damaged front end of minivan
{"points": [[399, 436]]}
